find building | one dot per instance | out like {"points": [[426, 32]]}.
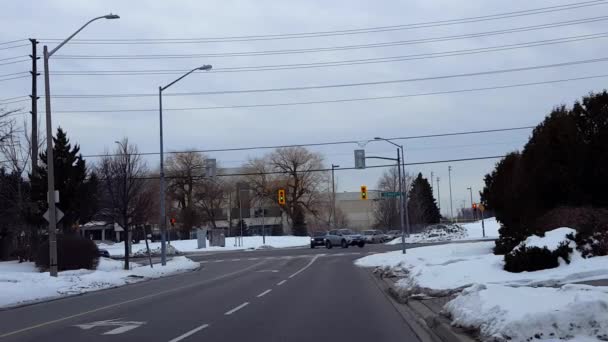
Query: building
{"points": [[358, 213]]}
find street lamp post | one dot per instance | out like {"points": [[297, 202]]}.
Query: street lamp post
{"points": [[163, 217], [332, 218], [124, 207], [472, 210], [402, 194], [49, 147]]}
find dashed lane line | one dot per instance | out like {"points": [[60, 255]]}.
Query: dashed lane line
{"points": [[281, 282], [190, 333], [228, 313], [263, 293], [307, 266]]}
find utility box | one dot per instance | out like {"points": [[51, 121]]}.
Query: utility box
{"points": [[201, 237], [217, 238]]}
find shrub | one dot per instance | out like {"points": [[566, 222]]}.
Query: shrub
{"points": [[531, 259], [73, 253]]}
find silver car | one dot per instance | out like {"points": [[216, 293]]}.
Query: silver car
{"points": [[343, 238], [374, 236]]}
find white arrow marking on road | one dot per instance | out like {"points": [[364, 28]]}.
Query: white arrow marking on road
{"points": [[123, 326]]}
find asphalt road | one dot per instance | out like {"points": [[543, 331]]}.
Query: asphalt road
{"points": [[272, 295]]}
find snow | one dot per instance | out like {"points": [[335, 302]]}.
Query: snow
{"points": [[436, 269], [467, 231], [21, 283], [189, 246], [551, 240], [576, 312]]}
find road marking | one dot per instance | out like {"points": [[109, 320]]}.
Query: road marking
{"points": [[236, 309], [281, 282], [220, 260], [253, 259], [189, 333], [235, 260], [122, 326], [263, 293], [40, 325], [305, 267], [272, 271]]}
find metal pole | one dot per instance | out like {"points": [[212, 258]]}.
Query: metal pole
{"points": [[450, 183], [400, 202], [240, 218], [405, 196], [163, 218], [438, 197], [332, 217], [34, 156], [50, 162], [263, 228], [472, 211]]}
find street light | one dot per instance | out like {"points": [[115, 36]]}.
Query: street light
{"points": [[163, 218], [49, 147], [402, 193], [332, 218]]}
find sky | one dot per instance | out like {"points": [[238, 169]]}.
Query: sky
{"points": [[222, 128]]}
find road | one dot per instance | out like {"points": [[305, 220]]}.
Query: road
{"points": [[271, 295]]}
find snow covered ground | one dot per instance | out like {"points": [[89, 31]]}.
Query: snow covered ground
{"points": [[20, 283], [469, 231], [502, 304], [185, 246]]}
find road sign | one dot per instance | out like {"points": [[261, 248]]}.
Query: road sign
{"points": [[58, 215], [211, 167], [359, 159], [389, 194], [120, 326]]}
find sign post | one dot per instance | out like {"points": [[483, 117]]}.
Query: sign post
{"points": [[483, 228]]}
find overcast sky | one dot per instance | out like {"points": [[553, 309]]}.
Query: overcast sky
{"points": [[360, 121]]}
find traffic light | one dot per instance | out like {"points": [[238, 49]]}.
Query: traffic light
{"points": [[474, 206], [281, 196], [172, 221], [363, 192]]}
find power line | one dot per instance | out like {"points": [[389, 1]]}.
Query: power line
{"points": [[338, 100], [440, 77], [14, 47], [9, 58], [324, 143], [346, 62], [13, 62], [307, 50], [13, 78], [504, 15]]}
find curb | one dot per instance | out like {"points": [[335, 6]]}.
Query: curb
{"points": [[435, 325]]}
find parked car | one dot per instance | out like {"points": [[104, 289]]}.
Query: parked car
{"points": [[343, 238], [104, 253], [317, 239], [392, 234], [374, 236]]}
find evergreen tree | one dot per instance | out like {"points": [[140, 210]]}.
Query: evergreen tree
{"points": [[77, 194], [422, 207]]}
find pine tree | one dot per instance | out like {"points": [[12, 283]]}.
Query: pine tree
{"points": [[77, 194], [422, 207]]}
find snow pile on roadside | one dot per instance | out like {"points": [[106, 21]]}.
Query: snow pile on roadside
{"points": [[462, 232], [551, 240], [502, 313], [437, 270], [154, 251], [188, 246], [20, 283]]}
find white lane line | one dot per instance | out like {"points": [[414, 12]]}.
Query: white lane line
{"points": [[252, 259], [236, 309], [264, 293], [189, 333], [235, 259], [220, 260], [305, 267], [281, 282], [156, 294]]}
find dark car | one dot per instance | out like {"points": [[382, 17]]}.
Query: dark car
{"points": [[317, 239], [104, 253]]}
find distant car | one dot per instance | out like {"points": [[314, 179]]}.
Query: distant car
{"points": [[392, 234], [104, 253], [317, 239], [343, 238], [374, 236]]}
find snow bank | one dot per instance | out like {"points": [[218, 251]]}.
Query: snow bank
{"points": [[467, 231], [186, 246], [576, 312], [21, 283], [434, 269], [551, 240]]}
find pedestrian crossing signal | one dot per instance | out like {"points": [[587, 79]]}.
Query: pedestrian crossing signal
{"points": [[281, 196], [172, 222], [363, 192]]}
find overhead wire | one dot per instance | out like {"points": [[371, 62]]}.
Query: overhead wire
{"points": [[342, 85], [504, 15], [14, 47], [330, 143]]}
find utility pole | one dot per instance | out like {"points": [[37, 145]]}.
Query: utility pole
{"points": [[450, 183], [34, 112], [431, 179], [472, 211], [438, 197], [332, 217]]}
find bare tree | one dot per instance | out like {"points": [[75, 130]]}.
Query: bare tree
{"points": [[299, 176], [210, 197], [127, 199], [386, 210]]}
